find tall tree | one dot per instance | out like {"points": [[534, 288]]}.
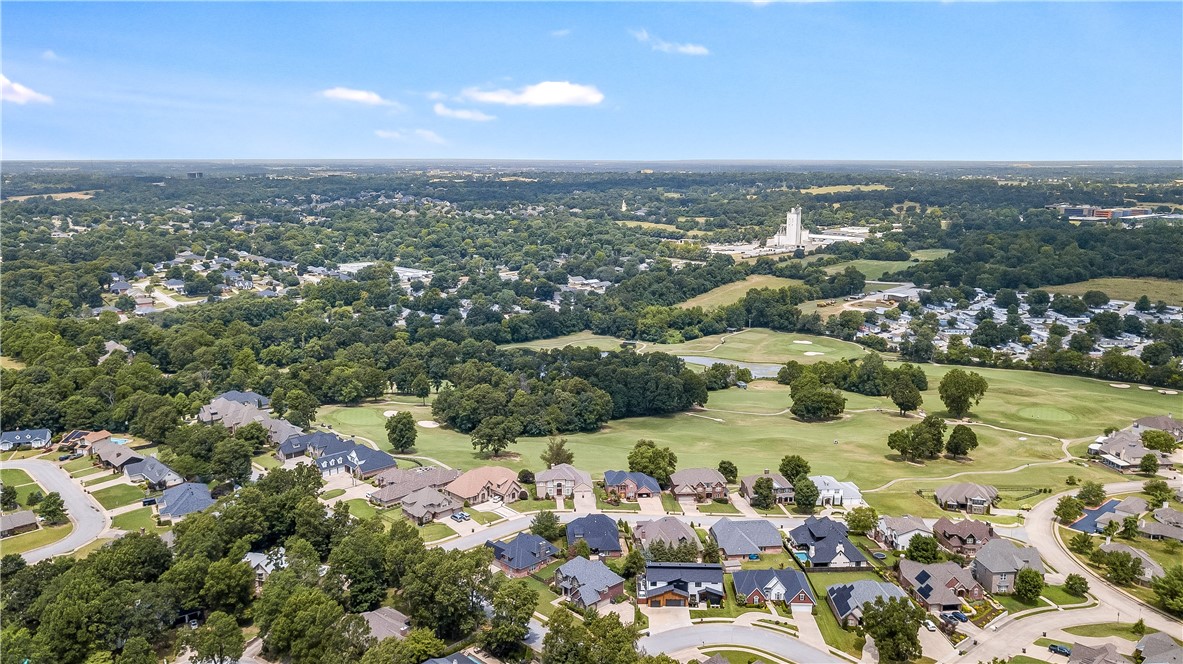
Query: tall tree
{"points": [[961, 390], [805, 493], [962, 441], [905, 396], [556, 452], [923, 549], [1028, 585], [793, 466], [421, 388], [895, 626], [763, 497], [218, 641], [657, 462], [862, 520], [494, 434], [52, 508], [728, 471], [513, 606], [401, 432]]}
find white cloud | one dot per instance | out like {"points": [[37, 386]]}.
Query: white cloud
{"points": [[50, 56], [461, 113], [367, 97], [546, 93], [426, 135], [659, 44], [19, 94], [560, 33], [436, 95]]}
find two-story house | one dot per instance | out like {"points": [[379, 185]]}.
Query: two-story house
{"points": [[939, 586], [963, 537], [681, 584], [701, 484], [896, 532], [999, 561], [782, 489], [629, 486]]}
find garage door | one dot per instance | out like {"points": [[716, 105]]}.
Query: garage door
{"points": [[675, 602]]}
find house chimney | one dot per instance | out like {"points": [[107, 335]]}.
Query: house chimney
{"points": [[766, 471]]}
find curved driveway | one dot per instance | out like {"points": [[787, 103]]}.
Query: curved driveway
{"points": [[87, 515], [697, 636]]}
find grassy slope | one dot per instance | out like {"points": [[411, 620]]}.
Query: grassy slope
{"points": [[34, 539], [733, 292], [1118, 288]]}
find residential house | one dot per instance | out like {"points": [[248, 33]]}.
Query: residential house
{"points": [[747, 538], [234, 414], [247, 398], [896, 532], [523, 555], [17, 522], [483, 484], [386, 622], [600, 533], [826, 545], [1129, 507], [629, 485], [152, 472], [397, 483], [1105, 653], [758, 586], [175, 285], [1159, 648], [939, 586], [1159, 531], [333, 455], [669, 530], [183, 499], [1169, 516], [454, 658], [588, 583], [1123, 450], [967, 497], [25, 438], [1165, 423], [119, 288], [832, 493], [112, 347], [782, 489], [113, 455], [849, 599], [681, 584], [963, 537], [428, 504], [562, 480], [701, 484], [265, 564], [79, 439], [999, 561], [1151, 570]]}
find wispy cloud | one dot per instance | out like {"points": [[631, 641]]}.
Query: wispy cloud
{"points": [[19, 94], [659, 44], [425, 135], [366, 97], [49, 56], [565, 32], [546, 93], [462, 113]]}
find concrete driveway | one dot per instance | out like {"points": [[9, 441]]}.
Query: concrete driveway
{"points": [[666, 618], [87, 515], [688, 505], [745, 508], [651, 505], [585, 501], [707, 634]]}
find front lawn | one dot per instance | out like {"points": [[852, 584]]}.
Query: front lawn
{"points": [[85, 472], [134, 520], [267, 461], [103, 478], [78, 464], [545, 594], [1102, 630], [533, 505], [603, 504], [670, 504], [34, 539], [119, 495], [484, 517], [730, 608], [332, 493], [434, 531], [14, 477], [1013, 604], [1058, 595], [718, 508]]}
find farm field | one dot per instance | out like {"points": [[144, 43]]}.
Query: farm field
{"points": [[733, 292], [1167, 290]]}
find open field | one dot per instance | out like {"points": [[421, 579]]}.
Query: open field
{"points": [[874, 270], [843, 188], [763, 345], [733, 292], [655, 225], [1167, 290], [577, 339], [65, 195], [34, 539], [362, 509], [10, 363]]}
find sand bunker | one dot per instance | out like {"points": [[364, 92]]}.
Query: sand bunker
{"points": [[804, 343], [1120, 386], [390, 413], [428, 424], [1145, 387], [1169, 392], [811, 353], [1022, 438]]}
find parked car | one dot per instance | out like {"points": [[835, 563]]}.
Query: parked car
{"points": [[457, 518], [193, 624], [148, 501], [961, 617], [930, 625], [64, 457], [1059, 649], [464, 516], [948, 618], [76, 455]]}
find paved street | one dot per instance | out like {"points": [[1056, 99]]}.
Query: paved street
{"points": [[750, 637], [85, 512]]}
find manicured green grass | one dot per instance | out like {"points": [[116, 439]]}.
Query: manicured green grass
{"points": [[24, 491], [78, 464], [1023, 659], [267, 461], [771, 561], [1014, 604], [134, 520], [545, 594], [735, 291], [670, 504], [34, 539], [484, 517], [118, 496], [578, 339], [435, 531], [1120, 288], [106, 476], [843, 188], [1102, 630], [361, 508], [717, 508], [533, 505], [730, 608], [1058, 595], [14, 477], [85, 472], [763, 345], [332, 493]]}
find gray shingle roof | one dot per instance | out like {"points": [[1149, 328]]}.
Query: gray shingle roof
{"points": [[1000, 555], [932, 582], [17, 520], [671, 572], [523, 551], [185, 499], [849, 597], [598, 530], [151, 469], [749, 580], [746, 537], [666, 529], [695, 476], [590, 579], [618, 477], [962, 492]]}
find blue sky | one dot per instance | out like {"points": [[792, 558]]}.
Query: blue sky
{"points": [[651, 81]]}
